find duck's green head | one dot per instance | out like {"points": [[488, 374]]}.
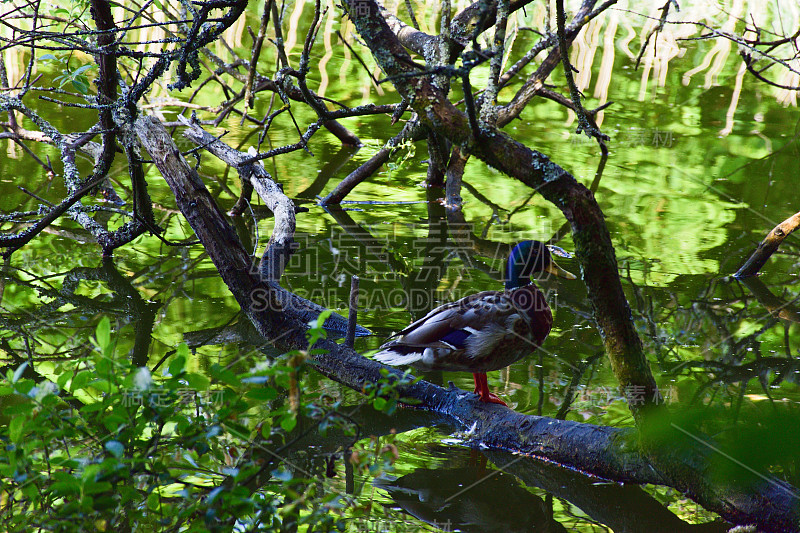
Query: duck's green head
{"points": [[527, 258]]}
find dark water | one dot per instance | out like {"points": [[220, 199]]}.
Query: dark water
{"points": [[688, 192]]}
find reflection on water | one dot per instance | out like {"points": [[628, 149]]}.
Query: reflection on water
{"points": [[469, 498], [510, 493]]}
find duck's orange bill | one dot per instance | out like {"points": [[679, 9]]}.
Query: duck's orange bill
{"points": [[556, 270]]}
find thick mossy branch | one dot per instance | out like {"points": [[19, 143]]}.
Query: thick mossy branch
{"points": [[281, 243]]}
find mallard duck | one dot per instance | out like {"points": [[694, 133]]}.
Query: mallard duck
{"points": [[484, 331]]}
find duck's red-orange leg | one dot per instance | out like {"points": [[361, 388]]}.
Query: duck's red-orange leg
{"points": [[482, 389]]}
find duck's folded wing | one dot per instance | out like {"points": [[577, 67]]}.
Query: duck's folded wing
{"points": [[443, 333], [465, 316]]}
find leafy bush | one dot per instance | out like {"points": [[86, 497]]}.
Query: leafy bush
{"points": [[106, 445]]}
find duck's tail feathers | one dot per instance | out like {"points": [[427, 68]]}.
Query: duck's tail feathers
{"points": [[398, 356]]}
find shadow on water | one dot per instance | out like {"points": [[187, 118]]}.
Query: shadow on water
{"points": [[477, 491], [472, 496], [460, 496]]}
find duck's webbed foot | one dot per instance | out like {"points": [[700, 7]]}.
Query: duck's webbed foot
{"points": [[493, 398], [482, 389]]}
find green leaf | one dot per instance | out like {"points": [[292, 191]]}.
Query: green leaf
{"points": [[95, 488], [81, 85], [177, 364], [62, 380], [24, 386], [266, 393], [104, 366], [198, 382], [153, 501], [112, 422], [288, 423], [87, 503], [316, 330], [103, 332], [379, 403], [77, 72], [15, 428], [103, 385], [321, 318], [391, 407], [92, 408], [66, 487], [31, 491], [81, 380], [182, 350], [237, 430], [224, 375]]}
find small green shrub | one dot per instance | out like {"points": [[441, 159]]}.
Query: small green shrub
{"points": [[106, 446]]}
